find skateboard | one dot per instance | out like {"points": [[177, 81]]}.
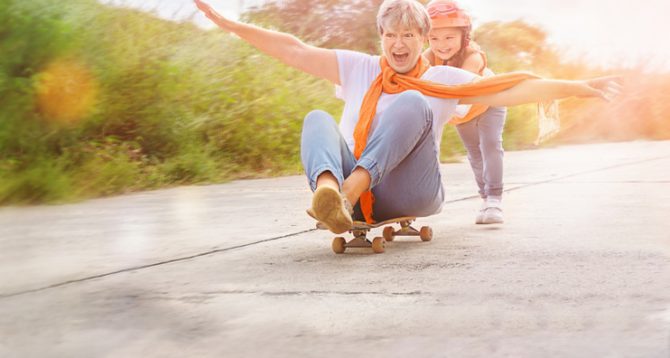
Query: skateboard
{"points": [[360, 230]]}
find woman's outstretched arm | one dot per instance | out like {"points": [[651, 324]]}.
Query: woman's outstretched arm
{"points": [[539, 90], [286, 48]]}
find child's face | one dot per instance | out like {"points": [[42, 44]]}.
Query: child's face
{"points": [[445, 42]]}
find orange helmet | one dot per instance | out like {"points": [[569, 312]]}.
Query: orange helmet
{"points": [[445, 13]]}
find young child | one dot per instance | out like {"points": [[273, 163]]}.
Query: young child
{"points": [[480, 130]]}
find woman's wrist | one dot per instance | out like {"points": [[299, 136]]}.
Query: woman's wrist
{"points": [[583, 89]]}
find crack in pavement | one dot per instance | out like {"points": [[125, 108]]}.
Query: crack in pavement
{"points": [[608, 182], [136, 268], [216, 251], [313, 292], [209, 295], [555, 179]]}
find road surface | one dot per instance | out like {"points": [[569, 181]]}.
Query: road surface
{"points": [[581, 268]]}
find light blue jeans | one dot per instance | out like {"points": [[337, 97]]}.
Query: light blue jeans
{"points": [[401, 157], [482, 138]]}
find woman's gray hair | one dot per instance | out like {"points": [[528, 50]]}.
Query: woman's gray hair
{"points": [[410, 14]]}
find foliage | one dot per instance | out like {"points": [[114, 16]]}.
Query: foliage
{"points": [[135, 102], [347, 24], [173, 104]]}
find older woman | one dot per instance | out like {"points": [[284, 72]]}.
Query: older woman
{"points": [[383, 156]]}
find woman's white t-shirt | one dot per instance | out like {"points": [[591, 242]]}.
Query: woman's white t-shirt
{"points": [[359, 70]]}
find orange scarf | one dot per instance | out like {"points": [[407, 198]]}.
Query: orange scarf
{"points": [[391, 82]]}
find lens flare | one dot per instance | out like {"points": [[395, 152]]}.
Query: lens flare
{"points": [[66, 91]]}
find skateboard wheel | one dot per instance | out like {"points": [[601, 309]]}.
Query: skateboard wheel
{"points": [[388, 233], [426, 233], [378, 245], [338, 245]]}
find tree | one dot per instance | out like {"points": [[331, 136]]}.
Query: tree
{"points": [[516, 45], [349, 24]]}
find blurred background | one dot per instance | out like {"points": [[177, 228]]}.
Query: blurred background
{"points": [[107, 97]]}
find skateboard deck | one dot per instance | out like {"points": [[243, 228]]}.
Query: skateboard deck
{"points": [[360, 229]]}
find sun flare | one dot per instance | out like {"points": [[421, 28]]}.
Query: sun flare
{"points": [[66, 91]]}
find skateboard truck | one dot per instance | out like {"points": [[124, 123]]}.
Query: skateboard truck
{"points": [[361, 229]]}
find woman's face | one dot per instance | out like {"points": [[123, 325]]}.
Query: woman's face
{"points": [[445, 42], [402, 48]]}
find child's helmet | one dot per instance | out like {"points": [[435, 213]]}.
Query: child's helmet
{"points": [[445, 13]]}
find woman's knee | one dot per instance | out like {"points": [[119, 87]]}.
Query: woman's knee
{"points": [[413, 99], [317, 119], [411, 104], [316, 115]]}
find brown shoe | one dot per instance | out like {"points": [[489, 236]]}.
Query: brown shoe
{"points": [[332, 209]]}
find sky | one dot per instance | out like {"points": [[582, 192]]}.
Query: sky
{"points": [[604, 32]]}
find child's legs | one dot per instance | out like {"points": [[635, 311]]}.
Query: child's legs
{"points": [[401, 157], [469, 134], [490, 125]]}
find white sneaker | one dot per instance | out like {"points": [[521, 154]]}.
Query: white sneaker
{"points": [[493, 213], [480, 214]]}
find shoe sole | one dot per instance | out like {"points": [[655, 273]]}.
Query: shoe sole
{"points": [[492, 220], [328, 208], [487, 222]]}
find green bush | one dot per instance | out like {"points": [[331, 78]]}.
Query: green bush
{"points": [[43, 181], [156, 103], [173, 104]]}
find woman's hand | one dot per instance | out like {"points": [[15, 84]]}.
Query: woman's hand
{"points": [[286, 48], [604, 87], [211, 14]]}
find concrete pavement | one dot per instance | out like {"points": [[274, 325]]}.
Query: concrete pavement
{"points": [[580, 268]]}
